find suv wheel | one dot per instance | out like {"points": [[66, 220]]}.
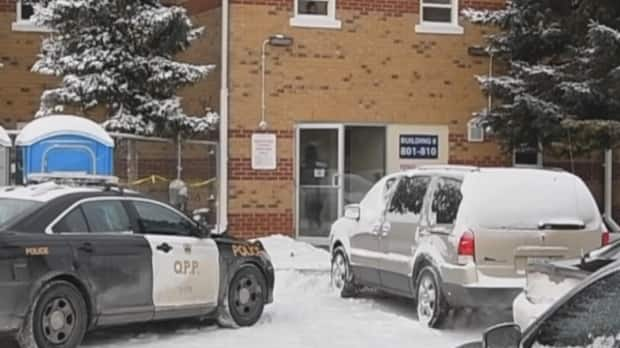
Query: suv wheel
{"points": [[431, 305], [341, 275]]}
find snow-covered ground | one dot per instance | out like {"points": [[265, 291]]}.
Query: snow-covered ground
{"points": [[306, 313]]}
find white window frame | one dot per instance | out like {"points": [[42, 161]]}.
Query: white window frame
{"points": [[428, 27], [471, 125], [25, 25], [539, 160], [328, 21]]}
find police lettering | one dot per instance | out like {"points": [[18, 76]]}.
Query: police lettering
{"points": [[246, 250], [37, 251], [186, 267]]}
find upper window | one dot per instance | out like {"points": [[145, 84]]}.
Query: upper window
{"points": [[25, 11], [447, 199], [315, 14], [157, 219], [439, 17]]}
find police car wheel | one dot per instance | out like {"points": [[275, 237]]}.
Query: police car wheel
{"points": [[57, 319], [246, 295]]}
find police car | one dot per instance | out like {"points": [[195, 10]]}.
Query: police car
{"points": [[74, 258]]}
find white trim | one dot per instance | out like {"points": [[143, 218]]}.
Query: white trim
{"points": [[446, 29], [430, 27], [29, 27], [328, 21], [311, 21]]}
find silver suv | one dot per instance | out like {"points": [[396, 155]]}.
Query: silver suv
{"points": [[454, 237]]}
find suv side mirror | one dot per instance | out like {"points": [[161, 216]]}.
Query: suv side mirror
{"points": [[352, 212], [502, 336]]}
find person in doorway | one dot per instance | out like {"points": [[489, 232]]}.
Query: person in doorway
{"points": [[312, 173]]}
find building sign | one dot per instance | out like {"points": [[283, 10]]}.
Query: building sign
{"points": [[264, 151], [418, 146]]}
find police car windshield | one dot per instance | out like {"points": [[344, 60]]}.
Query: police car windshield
{"points": [[11, 208]]}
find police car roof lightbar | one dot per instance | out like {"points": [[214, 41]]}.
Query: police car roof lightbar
{"points": [[70, 178]]}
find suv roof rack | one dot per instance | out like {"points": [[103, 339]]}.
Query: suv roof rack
{"points": [[461, 168], [74, 179]]}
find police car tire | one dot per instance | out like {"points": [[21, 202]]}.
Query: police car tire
{"points": [[244, 274], [31, 334]]}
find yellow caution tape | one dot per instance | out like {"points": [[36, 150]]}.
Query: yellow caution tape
{"points": [[203, 183], [153, 179]]}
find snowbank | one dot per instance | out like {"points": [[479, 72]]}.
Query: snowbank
{"points": [[289, 254]]}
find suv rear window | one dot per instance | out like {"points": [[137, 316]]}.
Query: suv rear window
{"points": [[525, 199]]}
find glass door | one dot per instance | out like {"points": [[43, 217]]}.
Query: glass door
{"points": [[320, 163]]}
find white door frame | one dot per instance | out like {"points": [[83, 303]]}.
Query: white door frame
{"points": [[340, 173]]}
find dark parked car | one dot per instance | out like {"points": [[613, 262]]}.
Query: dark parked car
{"points": [[585, 317]]}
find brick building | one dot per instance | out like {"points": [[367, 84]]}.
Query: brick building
{"points": [[366, 87], [360, 77]]}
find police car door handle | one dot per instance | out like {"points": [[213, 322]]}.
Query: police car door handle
{"points": [[87, 247], [165, 247]]}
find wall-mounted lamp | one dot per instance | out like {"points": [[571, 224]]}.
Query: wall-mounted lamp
{"points": [[278, 40]]}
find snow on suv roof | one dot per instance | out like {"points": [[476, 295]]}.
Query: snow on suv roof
{"points": [[62, 124], [42, 192]]}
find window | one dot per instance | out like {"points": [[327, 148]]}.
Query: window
{"points": [[315, 14], [527, 156], [589, 318], [106, 216], [408, 198], [73, 222], [157, 219], [446, 201], [475, 132], [439, 17], [25, 11]]}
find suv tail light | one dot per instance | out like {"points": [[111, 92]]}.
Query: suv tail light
{"points": [[605, 237], [467, 248]]}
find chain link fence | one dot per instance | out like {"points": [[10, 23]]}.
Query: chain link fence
{"points": [[149, 165]]}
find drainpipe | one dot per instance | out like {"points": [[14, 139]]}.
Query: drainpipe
{"points": [[609, 219], [222, 220]]}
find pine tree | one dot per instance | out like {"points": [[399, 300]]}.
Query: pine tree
{"points": [[119, 55], [562, 73]]}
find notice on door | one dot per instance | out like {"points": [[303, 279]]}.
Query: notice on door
{"points": [[417, 146], [264, 151]]}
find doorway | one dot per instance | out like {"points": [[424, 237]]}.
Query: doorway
{"points": [[336, 165]]}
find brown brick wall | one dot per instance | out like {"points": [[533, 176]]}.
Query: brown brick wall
{"points": [[20, 89], [375, 69], [390, 7]]}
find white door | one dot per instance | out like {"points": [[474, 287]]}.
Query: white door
{"points": [[320, 164], [185, 268]]}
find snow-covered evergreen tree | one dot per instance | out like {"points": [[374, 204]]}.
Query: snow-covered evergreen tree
{"points": [[561, 78], [119, 54]]}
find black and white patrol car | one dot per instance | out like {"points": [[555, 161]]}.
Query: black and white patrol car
{"points": [[77, 258]]}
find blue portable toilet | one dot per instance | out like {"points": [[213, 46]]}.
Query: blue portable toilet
{"points": [[64, 144]]}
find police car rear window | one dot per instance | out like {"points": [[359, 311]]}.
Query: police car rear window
{"points": [[13, 208]]}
